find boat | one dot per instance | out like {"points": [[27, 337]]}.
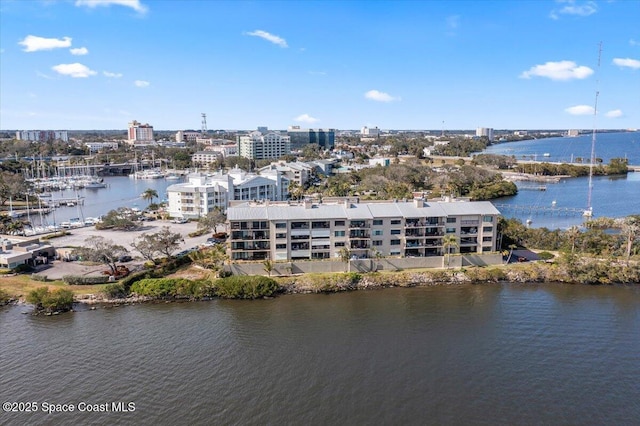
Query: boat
{"points": [[148, 174], [172, 177], [546, 154]]}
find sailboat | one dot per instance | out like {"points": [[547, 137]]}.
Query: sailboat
{"points": [[588, 212]]}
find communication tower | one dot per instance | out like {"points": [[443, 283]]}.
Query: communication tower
{"points": [[204, 124]]}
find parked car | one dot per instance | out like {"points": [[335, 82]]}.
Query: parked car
{"points": [[180, 220], [125, 258]]}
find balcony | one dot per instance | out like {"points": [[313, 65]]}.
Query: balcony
{"points": [[360, 245], [359, 233], [358, 224]]}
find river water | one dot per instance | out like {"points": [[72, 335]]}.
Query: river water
{"points": [[615, 196], [483, 355]]}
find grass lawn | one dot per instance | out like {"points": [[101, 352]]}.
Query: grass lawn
{"points": [[21, 285]]}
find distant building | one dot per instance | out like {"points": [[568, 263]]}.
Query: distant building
{"points": [[16, 251], [366, 131], [486, 132], [298, 172], [187, 136], [258, 146], [204, 193], [262, 129], [99, 146], [140, 133], [520, 133], [324, 138], [42, 135], [379, 161], [573, 133]]}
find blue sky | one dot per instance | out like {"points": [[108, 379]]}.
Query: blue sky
{"points": [[98, 64]]}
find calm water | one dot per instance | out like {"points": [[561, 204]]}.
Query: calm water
{"points": [[611, 196], [488, 355]]}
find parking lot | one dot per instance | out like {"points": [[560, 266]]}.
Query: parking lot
{"points": [[124, 238]]}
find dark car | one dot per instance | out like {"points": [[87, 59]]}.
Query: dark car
{"points": [[125, 258]]}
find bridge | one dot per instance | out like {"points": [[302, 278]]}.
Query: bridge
{"points": [[542, 210]]}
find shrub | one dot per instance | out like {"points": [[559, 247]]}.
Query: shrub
{"points": [[171, 287], [245, 287], [22, 268], [4, 297], [49, 301], [545, 255], [39, 277], [82, 280], [115, 291], [4, 271]]}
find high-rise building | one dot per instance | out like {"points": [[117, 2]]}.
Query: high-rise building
{"points": [[324, 138], [486, 132], [371, 132], [42, 135], [258, 146], [140, 133]]}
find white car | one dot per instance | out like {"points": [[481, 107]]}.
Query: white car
{"points": [[180, 220]]}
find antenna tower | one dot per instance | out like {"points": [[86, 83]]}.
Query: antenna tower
{"points": [[589, 211], [204, 124]]}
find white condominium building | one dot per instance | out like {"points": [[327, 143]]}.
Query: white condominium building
{"points": [[42, 135], [204, 193], [258, 146], [306, 230]]}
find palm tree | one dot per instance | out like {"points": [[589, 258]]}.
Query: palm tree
{"points": [[631, 230], [573, 234], [267, 265], [448, 241], [511, 248], [149, 195], [345, 256]]}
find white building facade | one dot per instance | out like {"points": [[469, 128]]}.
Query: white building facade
{"points": [[306, 230], [486, 132], [204, 193], [258, 146], [42, 135]]}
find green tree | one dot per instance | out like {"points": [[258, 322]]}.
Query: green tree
{"points": [[101, 250], [212, 220], [631, 231], [150, 195], [345, 256], [268, 266], [50, 301], [449, 241], [122, 218], [212, 258]]}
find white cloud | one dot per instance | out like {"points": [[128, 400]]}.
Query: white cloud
{"points": [[574, 8], [306, 118], [111, 74], [378, 96], [141, 83], [627, 62], [33, 43], [75, 70], [563, 70], [79, 51], [133, 4], [580, 110], [614, 113], [269, 37]]}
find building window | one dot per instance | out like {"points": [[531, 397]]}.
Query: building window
{"points": [[451, 220], [281, 235], [451, 230], [377, 222], [338, 244], [281, 246], [487, 228], [395, 232], [338, 223], [487, 218], [486, 239], [378, 232], [396, 221], [395, 242], [281, 225], [339, 233], [377, 243]]}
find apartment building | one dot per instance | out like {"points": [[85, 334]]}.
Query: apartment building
{"points": [[258, 146], [324, 138], [42, 135], [203, 193], [139, 133], [307, 230]]}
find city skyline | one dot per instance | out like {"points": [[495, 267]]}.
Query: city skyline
{"points": [[394, 65]]}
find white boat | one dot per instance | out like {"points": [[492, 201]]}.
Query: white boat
{"points": [[148, 174], [172, 177], [546, 154]]}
